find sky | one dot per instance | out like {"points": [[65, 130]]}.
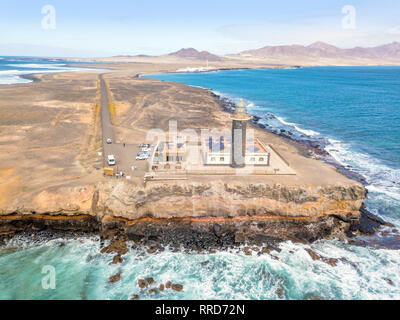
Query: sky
{"points": [[88, 28]]}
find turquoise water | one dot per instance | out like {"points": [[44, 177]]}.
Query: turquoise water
{"points": [[356, 109], [82, 273]]}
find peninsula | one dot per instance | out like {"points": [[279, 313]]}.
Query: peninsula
{"points": [[55, 174]]}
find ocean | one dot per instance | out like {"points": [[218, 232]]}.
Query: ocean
{"points": [[354, 109], [12, 68]]}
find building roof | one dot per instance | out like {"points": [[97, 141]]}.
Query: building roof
{"points": [[222, 145], [175, 147]]}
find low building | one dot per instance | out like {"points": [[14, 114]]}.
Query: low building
{"points": [[218, 152], [236, 150]]}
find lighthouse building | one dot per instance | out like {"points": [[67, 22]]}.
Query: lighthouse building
{"points": [[238, 150]]}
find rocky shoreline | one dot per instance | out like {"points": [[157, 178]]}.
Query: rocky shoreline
{"points": [[196, 235]]}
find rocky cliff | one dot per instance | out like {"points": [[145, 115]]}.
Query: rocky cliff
{"points": [[217, 211]]}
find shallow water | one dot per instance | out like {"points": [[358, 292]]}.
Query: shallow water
{"points": [[357, 109]]}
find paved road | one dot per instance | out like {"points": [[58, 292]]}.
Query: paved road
{"points": [[125, 156], [107, 127]]}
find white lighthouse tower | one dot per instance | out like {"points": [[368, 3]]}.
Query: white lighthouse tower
{"points": [[239, 125]]}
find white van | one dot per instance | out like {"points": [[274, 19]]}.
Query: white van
{"points": [[111, 160]]}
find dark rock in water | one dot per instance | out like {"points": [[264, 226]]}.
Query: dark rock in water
{"points": [[390, 282], [205, 263], [116, 246], [117, 259], [315, 256], [350, 234], [360, 243], [177, 287], [265, 250], [168, 284], [135, 297], [154, 290], [151, 250], [142, 283], [280, 292], [115, 278], [162, 287], [368, 225], [372, 217], [247, 251]]}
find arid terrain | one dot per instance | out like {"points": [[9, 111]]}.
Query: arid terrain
{"points": [[51, 162]]}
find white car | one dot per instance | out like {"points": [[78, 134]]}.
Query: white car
{"points": [[111, 160], [146, 149], [142, 156], [109, 141]]}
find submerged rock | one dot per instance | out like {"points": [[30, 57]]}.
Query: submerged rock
{"points": [[116, 246], [115, 278], [315, 256], [390, 282], [144, 283], [117, 259], [247, 251], [280, 292], [177, 287]]}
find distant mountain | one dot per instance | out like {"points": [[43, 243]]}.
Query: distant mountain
{"points": [[323, 50], [190, 53]]}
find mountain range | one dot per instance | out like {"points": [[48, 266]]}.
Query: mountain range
{"points": [[316, 53], [324, 50]]}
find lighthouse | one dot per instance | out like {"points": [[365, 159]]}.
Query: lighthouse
{"points": [[239, 124]]}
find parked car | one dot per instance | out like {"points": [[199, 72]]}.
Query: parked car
{"points": [[111, 160], [142, 156], [146, 149], [109, 141]]}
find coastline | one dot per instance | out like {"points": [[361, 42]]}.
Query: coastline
{"points": [[35, 75], [316, 148], [117, 227]]}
